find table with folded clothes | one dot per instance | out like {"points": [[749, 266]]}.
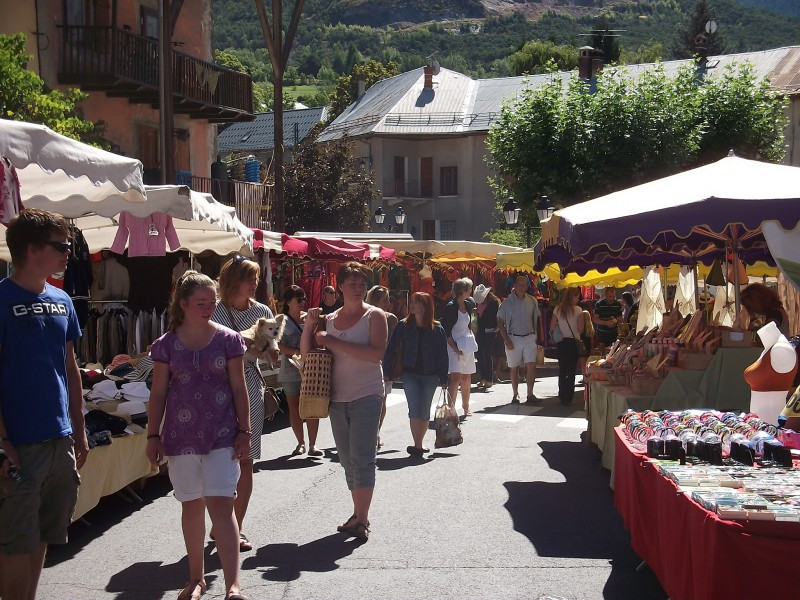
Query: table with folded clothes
{"points": [[720, 386], [116, 417], [696, 554]]}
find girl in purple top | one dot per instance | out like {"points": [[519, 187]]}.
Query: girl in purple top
{"points": [[199, 393]]}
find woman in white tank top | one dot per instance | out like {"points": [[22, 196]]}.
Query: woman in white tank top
{"points": [[568, 319], [356, 335]]}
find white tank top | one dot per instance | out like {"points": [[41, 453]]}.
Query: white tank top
{"points": [[354, 378], [568, 323]]}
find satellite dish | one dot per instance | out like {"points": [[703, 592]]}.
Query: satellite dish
{"points": [[436, 67], [711, 26]]}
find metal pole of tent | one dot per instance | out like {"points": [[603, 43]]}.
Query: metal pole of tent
{"points": [[735, 246], [696, 286]]}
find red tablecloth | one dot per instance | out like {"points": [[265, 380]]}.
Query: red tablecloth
{"points": [[695, 554]]}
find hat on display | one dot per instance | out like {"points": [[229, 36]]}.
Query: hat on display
{"points": [[480, 293]]}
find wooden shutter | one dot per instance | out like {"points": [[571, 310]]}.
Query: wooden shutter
{"points": [[426, 178]]}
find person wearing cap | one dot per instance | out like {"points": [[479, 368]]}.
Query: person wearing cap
{"points": [[517, 320], [487, 332], [42, 427]]}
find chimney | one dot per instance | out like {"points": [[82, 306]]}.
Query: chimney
{"points": [[585, 62], [428, 76], [362, 87]]}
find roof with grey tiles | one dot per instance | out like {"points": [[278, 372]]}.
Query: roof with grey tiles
{"points": [[259, 134], [458, 104]]}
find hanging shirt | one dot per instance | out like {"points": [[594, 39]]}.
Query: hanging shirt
{"points": [[148, 235]]}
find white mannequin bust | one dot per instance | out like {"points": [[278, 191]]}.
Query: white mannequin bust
{"points": [[768, 405]]}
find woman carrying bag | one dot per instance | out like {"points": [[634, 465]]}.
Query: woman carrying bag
{"points": [[356, 336], [565, 329], [424, 364]]}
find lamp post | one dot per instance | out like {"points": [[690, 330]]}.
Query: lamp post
{"points": [[399, 218], [511, 213]]}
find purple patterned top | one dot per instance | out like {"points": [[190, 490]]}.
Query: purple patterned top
{"points": [[199, 415]]}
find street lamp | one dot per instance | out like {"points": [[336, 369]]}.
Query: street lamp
{"points": [[545, 209], [399, 217], [511, 213]]}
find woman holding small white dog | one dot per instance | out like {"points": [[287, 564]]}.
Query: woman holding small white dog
{"points": [[236, 309]]}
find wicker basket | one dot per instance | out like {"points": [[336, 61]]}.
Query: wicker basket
{"points": [[315, 384]]}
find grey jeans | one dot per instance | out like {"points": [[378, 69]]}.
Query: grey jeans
{"points": [[355, 430]]}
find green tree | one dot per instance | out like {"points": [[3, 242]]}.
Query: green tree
{"points": [[24, 96], [264, 98], [347, 85], [695, 25], [644, 53], [325, 189], [536, 56], [571, 145]]}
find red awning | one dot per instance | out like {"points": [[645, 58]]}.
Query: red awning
{"points": [[279, 243], [335, 249]]}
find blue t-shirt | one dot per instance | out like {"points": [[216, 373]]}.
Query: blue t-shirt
{"points": [[34, 331]]}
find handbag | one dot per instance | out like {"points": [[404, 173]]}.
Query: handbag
{"points": [[316, 383], [448, 429], [272, 403]]}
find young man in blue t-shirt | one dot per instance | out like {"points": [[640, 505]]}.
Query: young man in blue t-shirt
{"points": [[41, 409]]}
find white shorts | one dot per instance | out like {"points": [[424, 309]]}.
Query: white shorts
{"points": [[524, 351], [195, 476]]}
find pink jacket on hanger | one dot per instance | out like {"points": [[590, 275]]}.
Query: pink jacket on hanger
{"points": [[142, 243]]}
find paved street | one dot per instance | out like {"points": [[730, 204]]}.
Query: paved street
{"points": [[520, 510]]}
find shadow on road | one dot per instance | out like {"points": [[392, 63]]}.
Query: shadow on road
{"points": [[285, 562], [286, 463], [111, 511], [150, 580], [576, 519]]}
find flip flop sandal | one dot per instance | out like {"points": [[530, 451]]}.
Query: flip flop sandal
{"points": [[316, 452], [344, 527], [244, 543], [190, 592], [360, 532], [299, 449], [237, 596]]}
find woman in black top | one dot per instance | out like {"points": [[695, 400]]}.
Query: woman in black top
{"points": [[487, 307]]}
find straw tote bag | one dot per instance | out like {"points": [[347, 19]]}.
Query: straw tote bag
{"points": [[315, 383]]}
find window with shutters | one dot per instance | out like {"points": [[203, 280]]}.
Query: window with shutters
{"points": [[448, 181]]}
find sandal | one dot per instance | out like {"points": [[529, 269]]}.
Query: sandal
{"points": [[360, 532], [236, 596], [345, 527], [191, 591], [244, 543], [299, 449], [315, 451]]}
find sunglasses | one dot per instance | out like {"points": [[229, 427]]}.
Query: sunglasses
{"points": [[62, 247], [239, 259]]}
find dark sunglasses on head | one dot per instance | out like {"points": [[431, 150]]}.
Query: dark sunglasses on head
{"points": [[62, 247], [238, 259]]}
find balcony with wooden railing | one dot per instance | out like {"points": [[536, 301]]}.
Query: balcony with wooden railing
{"points": [[124, 64], [252, 201]]}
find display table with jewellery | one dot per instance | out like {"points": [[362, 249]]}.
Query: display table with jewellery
{"points": [[721, 385], [108, 469], [695, 554]]}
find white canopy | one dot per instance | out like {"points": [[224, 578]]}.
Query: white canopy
{"points": [[40, 153], [210, 224]]}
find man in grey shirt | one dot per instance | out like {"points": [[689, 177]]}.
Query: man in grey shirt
{"points": [[517, 320]]}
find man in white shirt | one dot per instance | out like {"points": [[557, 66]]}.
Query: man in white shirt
{"points": [[517, 320]]}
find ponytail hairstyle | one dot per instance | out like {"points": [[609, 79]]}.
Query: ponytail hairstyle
{"points": [[189, 282]]}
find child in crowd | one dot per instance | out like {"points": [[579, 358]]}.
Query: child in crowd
{"points": [[200, 394]]}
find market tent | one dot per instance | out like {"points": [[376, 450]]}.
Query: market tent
{"points": [[695, 213], [334, 249], [43, 156], [785, 248], [213, 225], [272, 241]]}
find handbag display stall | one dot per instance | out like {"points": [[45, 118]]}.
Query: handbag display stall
{"points": [[448, 429], [315, 384]]}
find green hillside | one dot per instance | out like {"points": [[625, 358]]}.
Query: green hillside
{"points": [[333, 35]]}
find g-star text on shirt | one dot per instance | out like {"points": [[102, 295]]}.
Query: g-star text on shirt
{"points": [[40, 308]]}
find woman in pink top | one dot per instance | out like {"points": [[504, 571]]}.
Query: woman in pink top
{"points": [[356, 334]]}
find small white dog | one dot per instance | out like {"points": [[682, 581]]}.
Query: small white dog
{"points": [[265, 334]]}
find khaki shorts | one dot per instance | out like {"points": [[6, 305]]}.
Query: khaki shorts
{"points": [[38, 508], [524, 351]]}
